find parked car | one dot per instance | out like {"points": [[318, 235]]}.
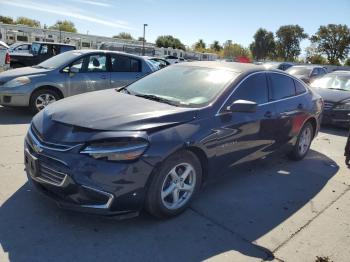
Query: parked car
{"points": [[335, 90], [154, 143], [39, 52], [68, 74], [307, 73], [160, 61], [20, 48], [278, 65], [4, 56], [172, 59]]}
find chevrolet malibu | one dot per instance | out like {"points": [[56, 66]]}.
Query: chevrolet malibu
{"points": [[152, 144], [68, 74]]}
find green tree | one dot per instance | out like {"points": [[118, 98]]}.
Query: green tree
{"points": [[6, 19], [263, 45], [233, 50], [313, 56], [333, 41], [216, 46], [200, 45], [169, 41], [64, 25], [27, 21], [347, 62], [124, 35], [288, 41]]}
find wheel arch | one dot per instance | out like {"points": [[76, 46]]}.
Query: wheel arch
{"points": [[313, 122], [50, 87]]}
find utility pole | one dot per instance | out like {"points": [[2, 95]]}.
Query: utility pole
{"points": [[59, 28], [143, 40]]}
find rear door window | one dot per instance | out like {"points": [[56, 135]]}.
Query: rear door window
{"points": [[121, 63], [282, 86]]}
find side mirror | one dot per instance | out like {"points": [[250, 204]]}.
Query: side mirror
{"points": [[74, 70], [242, 106]]}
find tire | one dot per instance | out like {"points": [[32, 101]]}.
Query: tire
{"points": [[164, 186], [302, 146], [51, 94]]}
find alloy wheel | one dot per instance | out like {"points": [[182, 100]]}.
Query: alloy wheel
{"points": [[44, 100], [304, 141], [178, 186]]}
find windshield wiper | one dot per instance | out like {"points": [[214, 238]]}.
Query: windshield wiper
{"points": [[158, 99], [342, 89]]}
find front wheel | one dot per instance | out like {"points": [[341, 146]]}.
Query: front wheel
{"points": [[174, 185], [303, 143], [42, 98]]}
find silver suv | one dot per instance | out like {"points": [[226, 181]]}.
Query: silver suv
{"points": [[68, 74]]}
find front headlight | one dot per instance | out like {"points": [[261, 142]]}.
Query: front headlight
{"points": [[18, 81], [345, 106], [126, 150]]}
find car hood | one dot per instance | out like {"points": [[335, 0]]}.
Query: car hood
{"points": [[110, 110], [24, 71], [332, 95]]}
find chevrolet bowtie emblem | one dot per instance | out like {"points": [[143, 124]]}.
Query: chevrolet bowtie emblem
{"points": [[37, 148]]}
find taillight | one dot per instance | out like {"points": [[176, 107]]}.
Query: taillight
{"points": [[7, 58]]}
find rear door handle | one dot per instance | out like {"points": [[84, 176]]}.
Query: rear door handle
{"points": [[300, 106], [103, 77]]}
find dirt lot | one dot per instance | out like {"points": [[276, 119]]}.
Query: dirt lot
{"points": [[276, 209]]}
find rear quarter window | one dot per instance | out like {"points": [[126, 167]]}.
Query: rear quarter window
{"points": [[299, 87], [282, 86]]}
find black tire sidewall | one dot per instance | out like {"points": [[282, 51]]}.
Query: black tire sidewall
{"points": [[154, 204], [37, 93]]}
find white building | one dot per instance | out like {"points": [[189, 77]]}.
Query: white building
{"points": [[20, 33]]}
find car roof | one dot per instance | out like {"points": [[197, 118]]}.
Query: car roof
{"points": [[89, 51], [232, 66], [50, 43], [340, 72], [308, 66]]}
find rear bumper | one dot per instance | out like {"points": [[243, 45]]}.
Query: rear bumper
{"points": [[336, 117]]}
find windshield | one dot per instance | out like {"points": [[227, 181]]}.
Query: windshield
{"points": [[59, 60], [340, 82], [186, 86], [299, 70]]}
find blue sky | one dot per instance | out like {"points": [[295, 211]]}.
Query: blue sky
{"points": [[188, 20]]}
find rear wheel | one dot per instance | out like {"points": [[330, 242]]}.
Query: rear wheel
{"points": [[174, 185], [42, 98], [303, 143]]}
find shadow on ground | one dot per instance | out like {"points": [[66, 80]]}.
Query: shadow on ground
{"points": [[228, 216], [14, 115]]}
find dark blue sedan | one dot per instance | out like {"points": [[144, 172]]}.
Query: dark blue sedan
{"points": [[153, 143]]}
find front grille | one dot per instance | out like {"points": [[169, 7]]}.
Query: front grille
{"points": [[51, 176], [35, 138], [328, 105]]}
